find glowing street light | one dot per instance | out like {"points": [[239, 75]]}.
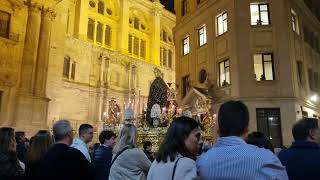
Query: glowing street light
{"points": [[314, 98]]}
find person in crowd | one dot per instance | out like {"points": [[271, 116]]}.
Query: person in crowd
{"points": [[302, 158], [85, 137], [92, 150], [21, 146], [147, 149], [260, 140], [63, 162], [103, 155], [39, 147], [9, 164], [231, 157], [178, 151], [129, 162]]}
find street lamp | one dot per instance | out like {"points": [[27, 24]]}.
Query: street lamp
{"points": [[314, 98]]}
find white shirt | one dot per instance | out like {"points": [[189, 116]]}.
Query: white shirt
{"points": [[82, 147]]}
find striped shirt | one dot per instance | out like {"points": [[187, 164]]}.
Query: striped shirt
{"points": [[232, 158]]}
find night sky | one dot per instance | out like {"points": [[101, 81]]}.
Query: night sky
{"points": [[169, 4]]}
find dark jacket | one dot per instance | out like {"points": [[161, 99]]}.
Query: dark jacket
{"points": [[21, 152], [64, 163], [102, 162], [302, 160], [31, 169], [9, 168]]}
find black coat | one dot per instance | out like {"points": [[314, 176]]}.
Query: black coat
{"points": [[62, 162], [302, 160], [10, 168], [102, 162]]}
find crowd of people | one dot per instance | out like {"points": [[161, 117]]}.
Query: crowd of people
{"points": [[237, 154]]}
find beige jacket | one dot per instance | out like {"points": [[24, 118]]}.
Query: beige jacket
{"points": [[185, 170], [132, 164]]}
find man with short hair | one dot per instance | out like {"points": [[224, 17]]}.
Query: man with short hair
{"points": [[103, 155], [62, 162], [231, 157], [85, 137], [302, 159]]}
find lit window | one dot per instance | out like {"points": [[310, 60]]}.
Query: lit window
{"points": [[202, 36], [185, 46], [99, 32], [222, 23], [184, 7], [259, 14], [108, 34], [4, 24], [224, 73], [100, 7], [263, 67], [90, 32], [294, 22]]}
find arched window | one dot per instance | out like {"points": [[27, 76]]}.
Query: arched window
{"points": [[100, 7], [90, 32], [136, 23], [99, 32], [108, 34]]}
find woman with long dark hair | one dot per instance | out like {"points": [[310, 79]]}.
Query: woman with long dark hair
{"points": [[9, 163], [178, 151], [38, 148]]}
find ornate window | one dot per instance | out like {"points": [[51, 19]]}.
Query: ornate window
{"points": [[165, 57], [143, 49], [136, 23], [90, 32], [100, 7], [130, 44], [4, 24], [99, 32], [164, 36], [136, 46], [108, 35]]}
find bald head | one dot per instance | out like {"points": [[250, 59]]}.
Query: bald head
{"points": [[62, 130]]}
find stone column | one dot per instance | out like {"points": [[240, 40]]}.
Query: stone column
{"points": [[30, 51], [156, 38], [43, 53], [123, 34]]}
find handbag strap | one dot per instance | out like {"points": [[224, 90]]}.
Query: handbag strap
{"points": [[174, 168], [118, 154]]}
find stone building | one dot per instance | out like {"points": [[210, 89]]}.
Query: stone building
{"points": [[82, 60], [265, 53]]}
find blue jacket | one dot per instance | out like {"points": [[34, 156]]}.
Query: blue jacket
{"points": [[102, 162], [302, 160]]}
